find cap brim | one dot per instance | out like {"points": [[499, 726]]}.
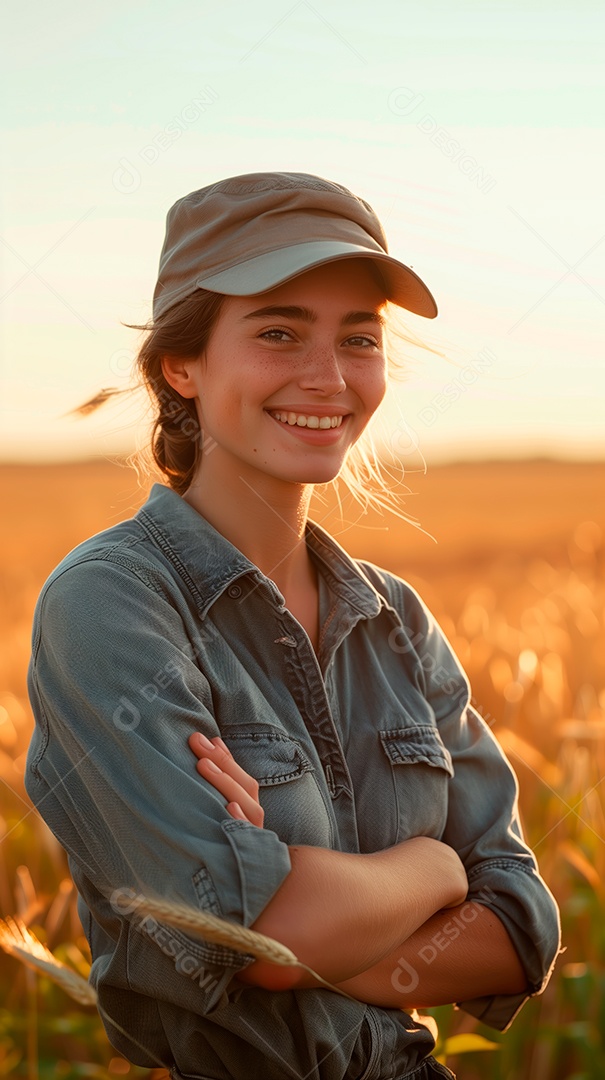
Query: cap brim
{"points": [[263, 272]]}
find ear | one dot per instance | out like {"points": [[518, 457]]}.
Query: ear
{"points": [[180, 375]]}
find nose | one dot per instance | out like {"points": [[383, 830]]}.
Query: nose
{"points": [[322, 372]]}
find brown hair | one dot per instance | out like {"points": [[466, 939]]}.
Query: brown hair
{"points": [[183, 331]]}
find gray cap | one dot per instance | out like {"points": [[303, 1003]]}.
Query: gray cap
{"points": [[250, 233]]}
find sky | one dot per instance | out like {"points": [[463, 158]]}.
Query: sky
{"points": [[475, 130]]}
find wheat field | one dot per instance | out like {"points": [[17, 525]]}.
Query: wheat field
{"points": [[516, 578]]}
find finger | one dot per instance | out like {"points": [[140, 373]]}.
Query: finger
{"points": [[199, 743], [231, 790], [219, 753]]}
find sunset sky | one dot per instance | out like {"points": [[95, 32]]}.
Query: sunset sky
{"points": [[475, 130]]}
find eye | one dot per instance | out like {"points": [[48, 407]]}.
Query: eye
{"points": [[275, 333], [363, 340]]}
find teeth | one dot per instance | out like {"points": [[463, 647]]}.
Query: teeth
{"points": [[302, 420]]}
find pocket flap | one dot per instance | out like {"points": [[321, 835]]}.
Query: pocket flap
{"points": [[413, 745], [269, 758]]}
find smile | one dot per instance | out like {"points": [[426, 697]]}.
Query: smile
{"points": [[302, 420]]}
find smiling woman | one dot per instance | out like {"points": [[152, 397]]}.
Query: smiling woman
{"points": [[311, 365], [307, 762]]}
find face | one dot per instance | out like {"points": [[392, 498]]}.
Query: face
{"points": [[291, 377]]}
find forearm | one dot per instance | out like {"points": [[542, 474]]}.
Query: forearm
{"points": [[343, 913], [339, 912], [457, 955]]}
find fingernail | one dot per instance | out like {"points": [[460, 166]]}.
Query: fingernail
{"points": [[204, 741], [210, 765]]}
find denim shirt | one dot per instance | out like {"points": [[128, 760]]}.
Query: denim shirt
{"points": [[159, 627]]}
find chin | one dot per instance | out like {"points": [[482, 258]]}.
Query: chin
{"points": [[315, 476]]}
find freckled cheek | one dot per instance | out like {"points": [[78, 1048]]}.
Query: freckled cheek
{"points": [[222, 412], [372, 388]]}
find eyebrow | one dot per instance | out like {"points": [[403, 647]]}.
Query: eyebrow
{"points": [[352, 318]]}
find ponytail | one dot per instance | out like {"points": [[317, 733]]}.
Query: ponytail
{"points": [[183, 331]]}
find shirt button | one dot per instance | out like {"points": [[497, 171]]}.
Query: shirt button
{"points": [[234, 591], [287, 640]]}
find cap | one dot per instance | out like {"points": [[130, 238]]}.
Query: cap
{"points": [[247, 234]]}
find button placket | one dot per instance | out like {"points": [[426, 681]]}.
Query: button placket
{"points": [[307, 686], [315, 707]]}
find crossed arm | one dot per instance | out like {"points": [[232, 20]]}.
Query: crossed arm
{"points": [[374, 939]]}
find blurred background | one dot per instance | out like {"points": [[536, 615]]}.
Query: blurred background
{"points": [[475, 131]]}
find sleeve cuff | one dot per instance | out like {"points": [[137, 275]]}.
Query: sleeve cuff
{"points": [[263, 862], [497, 1012], [525, 906]]}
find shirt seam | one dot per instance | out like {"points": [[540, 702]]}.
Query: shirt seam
{"points": [[116, 558], [501, 862], [157, 537], [160, 541]]}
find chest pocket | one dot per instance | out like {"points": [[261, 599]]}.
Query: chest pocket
{"points": [[289, 794], [421, 767]]}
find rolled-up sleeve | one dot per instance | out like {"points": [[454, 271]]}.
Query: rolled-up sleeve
{"points": [[483, 823], [116, 690]]}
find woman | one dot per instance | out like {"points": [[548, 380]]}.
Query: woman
{"points": [[232, 712]]}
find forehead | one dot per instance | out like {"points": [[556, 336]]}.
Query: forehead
{"points": [[343, 281]]}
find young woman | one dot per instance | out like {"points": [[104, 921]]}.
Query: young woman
{"points": [[232, 712]]}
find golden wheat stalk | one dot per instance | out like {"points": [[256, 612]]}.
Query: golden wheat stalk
{"points": [[220, 931], [17, 940]]}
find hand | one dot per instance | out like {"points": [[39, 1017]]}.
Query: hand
{"points": [[218, 766]]}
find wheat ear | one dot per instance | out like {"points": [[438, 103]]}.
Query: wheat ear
{"points": [[222, 932], [17, 940]]}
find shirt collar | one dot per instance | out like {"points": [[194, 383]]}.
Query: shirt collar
{"points": [[208, 562]]}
